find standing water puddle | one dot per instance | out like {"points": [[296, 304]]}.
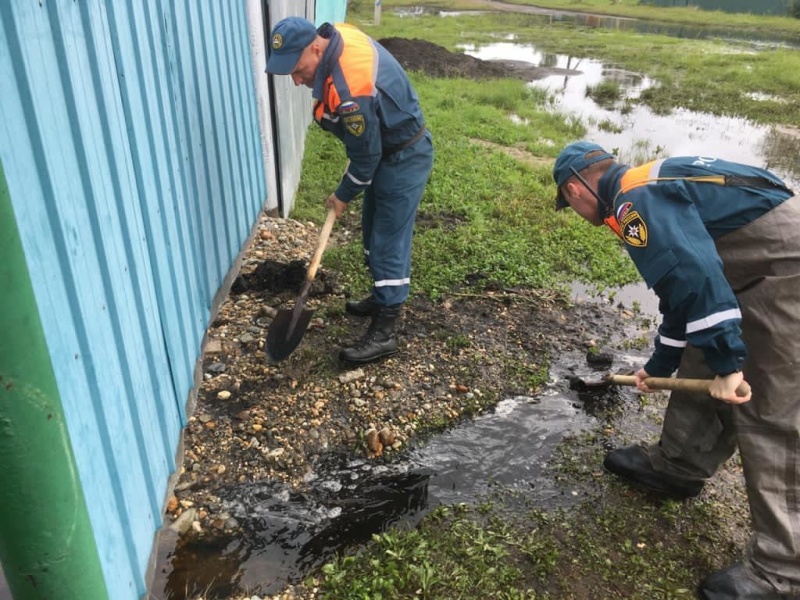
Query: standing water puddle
{"points": [[285, 532], [637, 133]]}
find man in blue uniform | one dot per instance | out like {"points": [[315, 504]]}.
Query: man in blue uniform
{"points": [[718, 242], [363, 96]]}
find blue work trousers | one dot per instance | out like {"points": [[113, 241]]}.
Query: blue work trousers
{"points": [[387, 219]]}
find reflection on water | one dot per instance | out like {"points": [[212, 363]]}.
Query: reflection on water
{"points": [[637, 134], [286, 532], [635, 297], [758, 40]]}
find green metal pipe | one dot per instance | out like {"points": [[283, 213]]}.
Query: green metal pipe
{"points": [[47, 546]]}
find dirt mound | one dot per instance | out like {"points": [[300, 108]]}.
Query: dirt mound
{"points": [[436, 61]]}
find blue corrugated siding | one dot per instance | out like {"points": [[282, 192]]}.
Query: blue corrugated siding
{"points": [[332, 11], [130, 143]]}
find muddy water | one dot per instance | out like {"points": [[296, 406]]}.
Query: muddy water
{"points": [[637, 133], [703, 31], [286, 532]]}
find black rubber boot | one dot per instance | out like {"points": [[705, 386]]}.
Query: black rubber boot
{"points": [[633, 464], [361, 308], [737, 582], [378, 341]]}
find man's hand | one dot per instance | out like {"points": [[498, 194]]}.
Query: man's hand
{"points": [[334, 203], [724, 388], [641, 375]]}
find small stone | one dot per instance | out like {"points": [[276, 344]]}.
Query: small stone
{"points": [[351, 376], [184, 522], [213, 346], [374, 444], [223, 395], [386, 436]]}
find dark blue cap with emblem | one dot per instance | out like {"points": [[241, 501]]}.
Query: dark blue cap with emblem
{"points": [[286, 44], [574, 159]]}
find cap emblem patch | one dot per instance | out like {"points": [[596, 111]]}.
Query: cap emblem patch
{"points": [[277, 41]]}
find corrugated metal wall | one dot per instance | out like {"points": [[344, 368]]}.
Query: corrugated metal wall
{"points": [[292, 104], [292, 109], [130, 143]]}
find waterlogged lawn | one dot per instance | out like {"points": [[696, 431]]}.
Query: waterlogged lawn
{"points": [[486, 212], [706, 76]]}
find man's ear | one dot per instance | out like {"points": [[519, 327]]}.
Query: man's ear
{"points": [[570, 187]]}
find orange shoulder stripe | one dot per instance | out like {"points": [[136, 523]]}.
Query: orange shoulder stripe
{"points": [[359, 61], [636, 176]]}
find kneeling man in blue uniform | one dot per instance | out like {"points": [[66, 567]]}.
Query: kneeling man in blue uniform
{"points": [[363, 96], [719, 243]]}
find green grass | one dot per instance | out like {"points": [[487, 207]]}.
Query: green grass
{"points": [[694, 16], [707, 76], [485, 212], [474, 553]]}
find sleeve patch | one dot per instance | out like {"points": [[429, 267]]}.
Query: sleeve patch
{"points": [[355, 124], [634, 229]]}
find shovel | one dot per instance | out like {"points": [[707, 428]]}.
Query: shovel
{"points": [[289, 326], [662, 383]]}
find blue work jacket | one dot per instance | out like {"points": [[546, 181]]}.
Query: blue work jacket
{"points": [[668, 213], [363, 96]]}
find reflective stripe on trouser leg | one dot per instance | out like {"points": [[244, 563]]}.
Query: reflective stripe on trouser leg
{"points": [[396, 190], [763, 261]]}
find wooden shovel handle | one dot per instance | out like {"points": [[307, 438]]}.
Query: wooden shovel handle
{"points": [[674, 383], [324, 234]]}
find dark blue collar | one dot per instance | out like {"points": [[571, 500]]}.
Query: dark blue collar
{"points": [[608, 185], [328, 60]]}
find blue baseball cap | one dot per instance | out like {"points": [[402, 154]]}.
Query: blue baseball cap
{"points": [[574, 158], [288, 40]]}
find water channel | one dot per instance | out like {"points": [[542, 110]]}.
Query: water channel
{"points": [[288, 533]]}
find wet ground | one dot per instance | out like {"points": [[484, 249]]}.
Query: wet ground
{"points": [[285, 464], [279, 471]]}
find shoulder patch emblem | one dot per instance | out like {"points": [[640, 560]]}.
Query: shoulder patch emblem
{"points": [[345, 108], [277, 41], [634, 229], [355, 124]]}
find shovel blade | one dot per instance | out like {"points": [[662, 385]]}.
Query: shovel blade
{"points": [[283, 335]]}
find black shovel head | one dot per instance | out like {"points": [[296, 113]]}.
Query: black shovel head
{"points": [[283, 336]]}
